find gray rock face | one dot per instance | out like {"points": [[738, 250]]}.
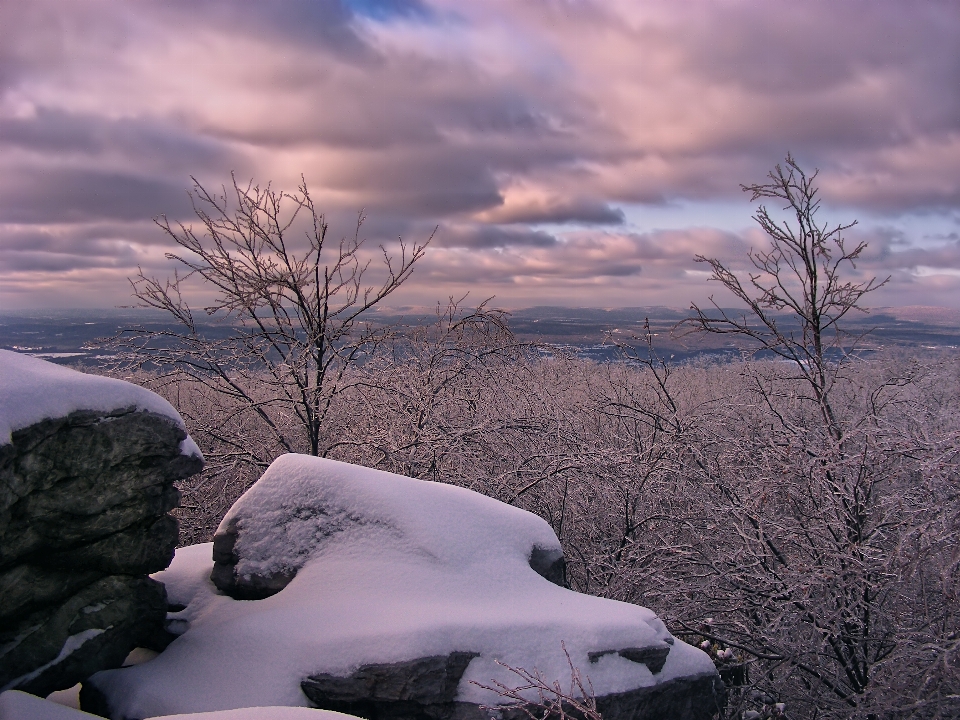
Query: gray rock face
{"points": [[550, 564], [697, 698], [413, 690], [654, 657], [425, 689], [83, 521], [242, 587]]}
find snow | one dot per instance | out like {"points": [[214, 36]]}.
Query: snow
{"points": [[189, 447], [391, 569], [32, 390], [70, 697], [188, 574], [16, 705], [263, 713]]}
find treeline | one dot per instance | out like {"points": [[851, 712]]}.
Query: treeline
{"points": [[713, 494]]}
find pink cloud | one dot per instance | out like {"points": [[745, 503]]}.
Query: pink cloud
{"points": [[500, 121]]}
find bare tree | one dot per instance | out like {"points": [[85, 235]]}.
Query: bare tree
{"points": [[798, 296], [435, 381], [799, 519], [288, 320], [814, 569], [678, 488]]}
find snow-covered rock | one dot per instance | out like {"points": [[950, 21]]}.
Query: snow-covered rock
{"points": [[394, 584], [32, 390], [16, 705], [87, 466]]}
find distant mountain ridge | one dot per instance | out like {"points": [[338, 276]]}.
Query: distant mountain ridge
{"points": [[70, 335], [928, 314]]}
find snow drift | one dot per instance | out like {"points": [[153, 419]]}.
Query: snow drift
{"points": [[379, 569]]}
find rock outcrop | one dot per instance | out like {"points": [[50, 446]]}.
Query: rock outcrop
{"points": [[421, 688], [426, 689], [84, 497], [390, 597]]}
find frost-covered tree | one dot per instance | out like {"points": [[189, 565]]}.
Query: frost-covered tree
{"points": [[796, 296], [267, 356], [821, 499]]}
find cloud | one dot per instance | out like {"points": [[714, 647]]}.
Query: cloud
{"points": [[492, 236], [522, 129], [60, 194], [544, 205], [586, 255], [163, 146]]}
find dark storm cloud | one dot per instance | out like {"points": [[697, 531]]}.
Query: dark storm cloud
{"points": [[161, 146], [492, 236], [54, 195]]}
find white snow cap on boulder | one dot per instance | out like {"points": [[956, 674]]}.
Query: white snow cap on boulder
{"points": [[16, 705], [32, 390], [386, 569], [302, 503]]}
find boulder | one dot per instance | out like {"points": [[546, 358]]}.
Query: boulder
{"points": [[426, 689], [87, 472], [421, 688], [384, 596]]}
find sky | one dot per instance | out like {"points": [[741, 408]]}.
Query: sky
{"points": [[568, 152]]}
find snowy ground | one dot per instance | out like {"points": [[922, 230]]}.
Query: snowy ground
{"points": [[390, 569], [16, 705]]}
